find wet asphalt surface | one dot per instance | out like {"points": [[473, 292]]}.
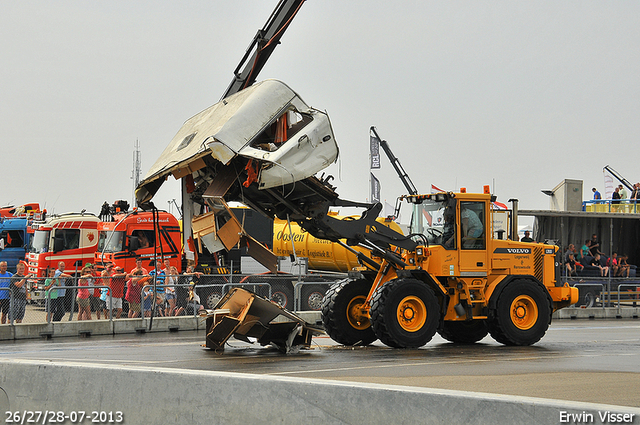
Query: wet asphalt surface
{"points": [[580, 360]]}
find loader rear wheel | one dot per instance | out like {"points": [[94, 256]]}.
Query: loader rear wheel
{"points": [[405, 313], [522, 315], [342, 315], [464, 332]]}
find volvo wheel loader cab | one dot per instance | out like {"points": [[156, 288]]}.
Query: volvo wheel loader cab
{"points": [[457, 280]]}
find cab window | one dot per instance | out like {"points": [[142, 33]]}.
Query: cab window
{"points": [[472, 225]]}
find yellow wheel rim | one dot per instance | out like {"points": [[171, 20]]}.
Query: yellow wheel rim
{"points": [[524, 312], [412, 314], [355, 315]]}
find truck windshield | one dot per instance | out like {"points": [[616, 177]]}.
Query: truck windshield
{"points": [[111, 241], [40, 241], [435, 220]]}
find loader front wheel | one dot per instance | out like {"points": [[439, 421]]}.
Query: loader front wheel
{"points": [[467, 332], [405, 313], [342, 315], [522, 314]]}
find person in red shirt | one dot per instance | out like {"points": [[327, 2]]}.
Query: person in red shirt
{"points": [[84, 304], [134, 288], [118, 280]]}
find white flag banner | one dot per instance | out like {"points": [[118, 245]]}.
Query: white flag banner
{"points": [[609, 186], [375, 189]]}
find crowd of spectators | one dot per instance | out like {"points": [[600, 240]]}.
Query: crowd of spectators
{"points": [[590, 261], [140, 290]]}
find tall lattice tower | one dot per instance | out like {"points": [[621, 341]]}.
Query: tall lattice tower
{"points": [[137, 170]]}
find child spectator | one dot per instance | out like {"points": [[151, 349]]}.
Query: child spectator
{"points": [[596, 263], [573, 266], [147, 301]]}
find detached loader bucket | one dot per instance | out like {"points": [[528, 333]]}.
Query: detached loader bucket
{"points": [[243, 314]]}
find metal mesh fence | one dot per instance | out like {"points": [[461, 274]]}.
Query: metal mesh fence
{"points": [[71, 302]]}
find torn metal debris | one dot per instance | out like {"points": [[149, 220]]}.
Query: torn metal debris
{"points": [[243, 315]]}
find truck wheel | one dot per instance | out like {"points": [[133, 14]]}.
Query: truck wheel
{"points": [[467, 332], [212, 299], [523, 314], [312, 296], [282, 294], [589, 299], [405, 313], [341, 315]]}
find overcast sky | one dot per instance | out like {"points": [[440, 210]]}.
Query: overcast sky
{"points": [[516, 95]]}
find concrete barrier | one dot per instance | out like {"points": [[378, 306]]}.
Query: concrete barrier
{"points": [[169, 396], [118, 326], [164, 324]]}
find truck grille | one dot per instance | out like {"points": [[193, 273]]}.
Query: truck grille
{"points": [[538, 263]]}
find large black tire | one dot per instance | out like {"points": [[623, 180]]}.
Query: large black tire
{"points": [[405, 313], [466, 332], [340, 313], [522, 315]]}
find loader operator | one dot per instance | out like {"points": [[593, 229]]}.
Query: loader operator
{"points": [[471, 225]]}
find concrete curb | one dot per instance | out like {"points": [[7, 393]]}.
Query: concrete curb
{"points": [[166, 396], [165, 324], [597, 313]]}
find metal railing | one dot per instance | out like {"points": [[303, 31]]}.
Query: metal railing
{"points": [[629, 206], [294, 292]]}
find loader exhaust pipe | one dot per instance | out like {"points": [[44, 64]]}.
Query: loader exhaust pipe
{"points": [[514, 219]]}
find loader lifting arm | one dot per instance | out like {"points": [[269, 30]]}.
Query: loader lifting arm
{"points": [[262, 45]]}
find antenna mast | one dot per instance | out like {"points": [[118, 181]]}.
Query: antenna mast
{"points": [[136, 172]]}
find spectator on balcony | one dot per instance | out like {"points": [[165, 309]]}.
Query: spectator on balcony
{"points": [[612, 264], [585, 248], [573, 267], [527, 237], [572, 250], [615, 199], [595, 262], [635, 193], [622, 191], [594, 248], [623, 266], [596, 194]]}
